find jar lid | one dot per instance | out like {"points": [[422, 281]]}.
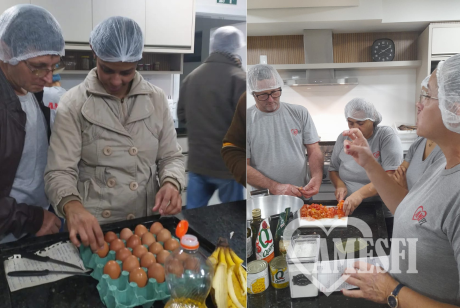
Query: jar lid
{"points": [[182, 228], [85, 57], [189, 241]]}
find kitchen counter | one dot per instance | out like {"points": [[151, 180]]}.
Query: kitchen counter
{"points": [[372, 214], [79, 291]]}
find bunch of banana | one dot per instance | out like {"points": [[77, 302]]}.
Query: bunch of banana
{"points": [[229, 285]]}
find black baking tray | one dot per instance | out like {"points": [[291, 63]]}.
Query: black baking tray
{"points": [[75, 291]]}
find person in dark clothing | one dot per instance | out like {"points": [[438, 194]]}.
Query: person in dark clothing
{"points": [[207, 102], [27, 61], [234, 144]]}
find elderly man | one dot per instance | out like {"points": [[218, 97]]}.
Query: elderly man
{"points": [[27, 61], [277, 135], [207, 101]]}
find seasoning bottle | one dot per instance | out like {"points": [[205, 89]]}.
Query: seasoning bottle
{"points": [[255, 225], [248, 240]]}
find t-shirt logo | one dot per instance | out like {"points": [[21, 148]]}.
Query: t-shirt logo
{"points": [[52, 106], [376, 154], [294, 131], [420, 215]]}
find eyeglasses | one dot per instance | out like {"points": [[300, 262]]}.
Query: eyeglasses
{"points": [[427, 96], [264, 97], [42, 72]]}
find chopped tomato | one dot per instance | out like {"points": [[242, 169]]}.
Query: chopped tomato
{"points": [[318, 211]]}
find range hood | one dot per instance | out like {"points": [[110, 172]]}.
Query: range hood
{"points": [[318, 49]]}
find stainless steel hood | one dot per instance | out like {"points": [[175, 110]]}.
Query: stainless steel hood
{"points": [[318, 49]]}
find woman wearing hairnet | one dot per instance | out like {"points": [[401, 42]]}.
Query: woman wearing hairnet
{"points": [[426, 274], [349, 179], [113, 154], [422, 153]]}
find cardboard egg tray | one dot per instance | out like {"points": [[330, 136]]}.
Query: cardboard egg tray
{"points": [[120, 293]]}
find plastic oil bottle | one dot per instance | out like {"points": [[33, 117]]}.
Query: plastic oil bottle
{"points": [[188, 272]]}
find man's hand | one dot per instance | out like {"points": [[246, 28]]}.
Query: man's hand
{"points": [[80, 221], [340, 193], [51, 224], [352, 202], [311, 189], [168, 200], [285, 189]]}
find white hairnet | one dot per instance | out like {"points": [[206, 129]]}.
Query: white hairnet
{"points": [[227, 39], [262, 77], [448, 75], [117, 39], [29, 31], [360, 110]]}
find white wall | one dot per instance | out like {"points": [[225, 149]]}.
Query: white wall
{"points": [[391, 91], [212, 8], [162, 81]]}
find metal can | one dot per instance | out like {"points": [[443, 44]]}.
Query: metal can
{"points": [[257, 276], [279, 273]]}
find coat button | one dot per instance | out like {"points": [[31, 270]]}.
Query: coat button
{"points": [[107, 151], [111, 182], [130, 216], [133, 185], [133, 151], [106, 214]]}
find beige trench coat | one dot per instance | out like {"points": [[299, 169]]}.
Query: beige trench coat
{"points": [[113, 169]]}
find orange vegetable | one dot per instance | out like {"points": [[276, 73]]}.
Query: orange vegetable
{"points": [[318, 211]]}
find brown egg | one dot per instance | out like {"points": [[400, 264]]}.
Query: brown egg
{"points": [[117, 244], [112, 269], [122, 254], [148, 239], [171, 244], [164, 235], [148, 259], [175, 267], [140, 230], [102, 252], [138, 276], [125, 234], [192, 264], [139, 251], [156, 228], [182, 256], [130, 263], [133, 241], [156, 248], [161, 257], [157, 272], [110, 236]]}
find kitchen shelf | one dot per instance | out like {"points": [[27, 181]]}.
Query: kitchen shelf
{"points": [[356, 65], [82, 72]]}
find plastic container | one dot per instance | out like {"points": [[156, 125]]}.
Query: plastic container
{"points": [[188, 273], [85, 62], [70, 63]]}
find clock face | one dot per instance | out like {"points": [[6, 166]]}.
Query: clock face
{"points": [[383, 50]]}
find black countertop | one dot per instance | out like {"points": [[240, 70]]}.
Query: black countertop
{"points": [[79, 291], [372, 214]]}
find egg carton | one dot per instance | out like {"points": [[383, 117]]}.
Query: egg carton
{"points": [[120, 293]]}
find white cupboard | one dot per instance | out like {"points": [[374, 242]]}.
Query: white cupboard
{"points": [[445, 40], [6, 4]]}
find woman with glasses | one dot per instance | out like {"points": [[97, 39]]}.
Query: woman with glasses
{"points": [[113, 153], [27, 60], [350, 180], [426, 274], [278, 134]]}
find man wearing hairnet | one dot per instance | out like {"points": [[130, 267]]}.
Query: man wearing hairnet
{"points": [[277, 135], [113, 153], [207, 101], [31, 44]]}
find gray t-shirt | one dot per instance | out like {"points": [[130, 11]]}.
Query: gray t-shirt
{"points": [[417, 165], [275, 142], [387, 150], [29, 184], [431, 213]]}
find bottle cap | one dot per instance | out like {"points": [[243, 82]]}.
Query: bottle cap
{"points": [[189, 241], [182, 228]]}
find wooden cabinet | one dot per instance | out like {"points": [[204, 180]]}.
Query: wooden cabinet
{"points": [[445, 40], [134, 9], [170, 25], [75, 17]]}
